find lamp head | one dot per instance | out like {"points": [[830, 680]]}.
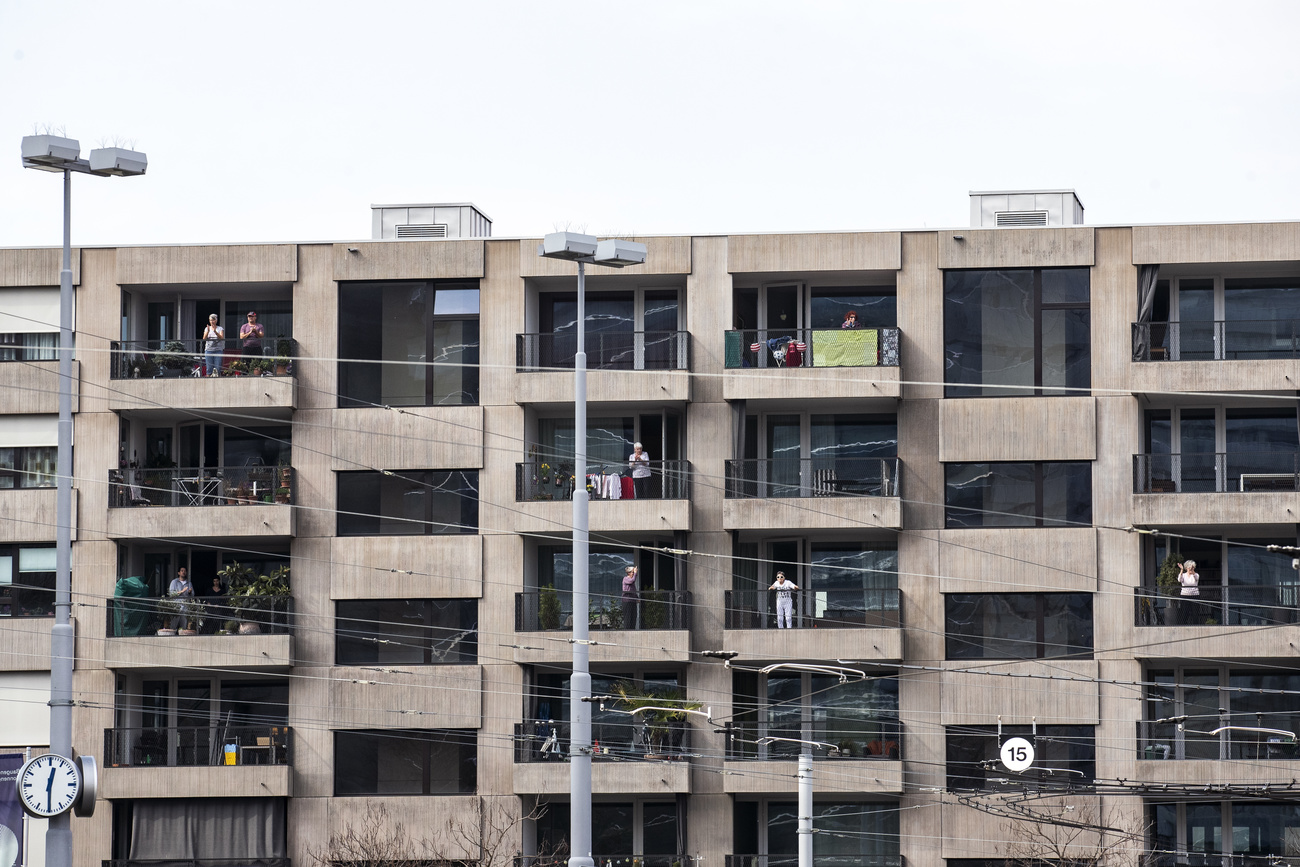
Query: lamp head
{"points": [[618, 254], [118, 162], [567, 245], [50, 153]]}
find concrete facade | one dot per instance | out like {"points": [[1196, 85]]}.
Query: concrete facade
{"points": [[1104, 425]]}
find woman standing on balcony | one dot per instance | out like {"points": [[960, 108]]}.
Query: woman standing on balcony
{"points": [[1188, 602], [214, 343], [640, 463], [784, 601], [630, 597]]}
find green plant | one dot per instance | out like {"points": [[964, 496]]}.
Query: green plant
{"points": [[236, 367], [266, 365], [548, 608], [173, 356], [607, 613], [283, 348], [255, 598], [654, 609], [665, 725], [1167, 577]]}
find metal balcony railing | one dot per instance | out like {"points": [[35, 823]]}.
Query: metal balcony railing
{"points": [[1216, 472], [555, 480], [1261, 605], [811, 347], [193, 746], [819, 860], [1218, 340], [812, 477], [635, 740], [1182, 858], [200, 862], [551, 610], [604, 860], [1164, 740], [200, 486], [205, 615], [815, 609], [606, 350], [163, 359], [864, 734]]}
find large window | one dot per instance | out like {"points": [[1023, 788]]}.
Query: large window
{"points": [[406, 631], [1016, 332], [28, 467], [1223, 449], [1017, 625], [1257, 832], [406, 762], [1064, 757], [408, 503], [37, 346], [849, 832], [1006, 494], [646, 829], [26, 580], [413, 343]]}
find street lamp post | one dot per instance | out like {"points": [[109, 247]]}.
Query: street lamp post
{"points": [[57, 154], [582, 249]]}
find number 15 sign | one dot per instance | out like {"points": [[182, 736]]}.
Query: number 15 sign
{"points": [[1017, 754]]}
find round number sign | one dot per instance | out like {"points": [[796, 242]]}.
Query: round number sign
{"points": [[1017, 754]]}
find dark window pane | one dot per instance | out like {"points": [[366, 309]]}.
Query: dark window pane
{"points": [[408, 503], [1067, 493], [1017, 625], [406, 631], [1065, 286], [974, 761], [990, 495], [989, 331], [405, 762], [1067, 351]]}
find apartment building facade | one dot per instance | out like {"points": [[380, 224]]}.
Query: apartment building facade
{"points": [[976, 492]]}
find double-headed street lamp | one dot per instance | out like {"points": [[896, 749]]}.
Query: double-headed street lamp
{"points": [[583, 249], [50, 153]]}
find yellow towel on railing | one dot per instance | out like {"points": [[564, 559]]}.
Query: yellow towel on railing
{"points": [[845, 347]]}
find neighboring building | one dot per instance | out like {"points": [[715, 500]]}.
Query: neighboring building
{"points": [[964, 487]]}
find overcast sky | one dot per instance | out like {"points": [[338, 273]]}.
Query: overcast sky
{"points": [[285, 121]]}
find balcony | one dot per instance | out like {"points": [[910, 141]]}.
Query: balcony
{"points": [[627, 758], [200, 862], [667, 613], [820, 860], [1267, 605], [616, 362], [669, 480], [193, 746], [547, 491], [194, 501], [607, 860], [859, 736], [174, 373], [830, 363], [816, 609], [1216, 472], [1240, 739], [1218, 340], [808, 493], [251, 631]]}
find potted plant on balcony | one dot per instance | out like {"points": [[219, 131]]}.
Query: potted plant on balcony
{"points": [[664, 729], [1167, 587], [255, 599], [169, 608], [172, 359], [548, 608], [235, 368]]}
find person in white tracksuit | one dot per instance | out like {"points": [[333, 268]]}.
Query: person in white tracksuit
{"points": [[784, 601]]}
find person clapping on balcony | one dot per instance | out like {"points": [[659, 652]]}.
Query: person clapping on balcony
{"points": [[1190, 592], [214, 343]]}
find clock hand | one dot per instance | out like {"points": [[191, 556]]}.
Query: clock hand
{"points": [[49, 789]]}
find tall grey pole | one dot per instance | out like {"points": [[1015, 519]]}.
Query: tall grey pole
{"points": [[805, 810], [58, 839], [580, 681]]}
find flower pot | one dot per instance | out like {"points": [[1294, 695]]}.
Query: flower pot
{"points": [[188, 632], [249, 629], [166, 631]]}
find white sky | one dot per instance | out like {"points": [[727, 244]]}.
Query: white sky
{"points": [[284, 120]]}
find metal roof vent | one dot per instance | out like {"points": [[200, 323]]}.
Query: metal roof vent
{"points": [[1020, 218], [430, 230]]}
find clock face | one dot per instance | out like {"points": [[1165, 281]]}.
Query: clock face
{"points": [[48, 785]]}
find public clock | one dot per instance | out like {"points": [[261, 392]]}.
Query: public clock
{"points": [[48, 785]]}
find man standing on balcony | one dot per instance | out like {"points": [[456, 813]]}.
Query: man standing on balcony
{"points": [[181, 589], [784, 601]]}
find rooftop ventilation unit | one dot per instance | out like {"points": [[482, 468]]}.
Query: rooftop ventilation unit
{"points": [[1024, 208], [428, 222]]}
